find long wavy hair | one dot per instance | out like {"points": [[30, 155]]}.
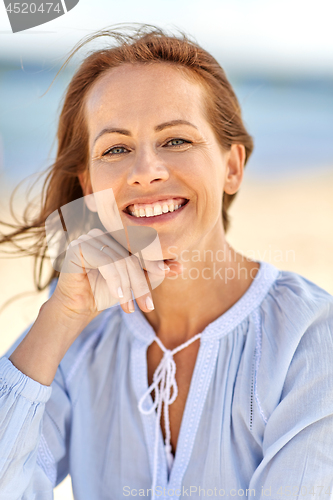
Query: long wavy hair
{"points": [[128, 44]]}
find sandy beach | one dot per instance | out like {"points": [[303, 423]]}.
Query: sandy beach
{"points": [[287, 222]]}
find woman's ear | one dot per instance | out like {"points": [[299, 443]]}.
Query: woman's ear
{"points": [[86, 186], [234, 168]]}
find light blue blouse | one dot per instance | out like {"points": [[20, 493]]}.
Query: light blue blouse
{"points": [[258, 420]]}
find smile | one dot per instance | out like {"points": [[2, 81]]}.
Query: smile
{"points": [[157, 208], [159, 211]]}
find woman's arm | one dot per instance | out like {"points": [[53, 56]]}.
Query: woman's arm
{"points": [[35, 408], [34, 430], [298, 438]]}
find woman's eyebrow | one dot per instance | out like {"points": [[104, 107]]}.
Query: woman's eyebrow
{"points": [[112, 131], [173, 123], [158, 128]]}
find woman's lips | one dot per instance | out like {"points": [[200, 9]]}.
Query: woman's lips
{"points": [[147, 221]]}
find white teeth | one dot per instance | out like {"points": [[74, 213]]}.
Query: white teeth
{"points": [[157, 210]]}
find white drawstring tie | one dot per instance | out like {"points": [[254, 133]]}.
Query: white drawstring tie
{"points": [[164, 377]]}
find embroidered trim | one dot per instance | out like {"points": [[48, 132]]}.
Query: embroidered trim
{"points": [[199, 397], [252, 298], [202, 380], [256, 319], [46, 461], [254, 295], [251, 394], [3, 387]]}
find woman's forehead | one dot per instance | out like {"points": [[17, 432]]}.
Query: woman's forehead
{"points": [[156, 86]]}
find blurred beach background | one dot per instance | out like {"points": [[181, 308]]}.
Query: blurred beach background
{"points": [[278, 57]]}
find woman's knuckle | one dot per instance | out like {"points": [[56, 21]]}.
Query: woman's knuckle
{"points": [[121, 266]]}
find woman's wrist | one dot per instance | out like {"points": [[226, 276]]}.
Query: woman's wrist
{"points": [[67, 318], [42, 349]]}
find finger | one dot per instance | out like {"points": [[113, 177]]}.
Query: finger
{"points": [[106, 239], [85, 253], [126, 302], [108, 271], [90, 259], [163, 267], [101, 293], [175, 266], [114, 269], [116, 278], [111, 275], [175, 269], [158, 267], [115, 275], [139, 284], [81, 255]]}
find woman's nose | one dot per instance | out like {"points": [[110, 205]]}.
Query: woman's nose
{"points": [[147, 168]]}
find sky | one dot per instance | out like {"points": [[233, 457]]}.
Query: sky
{"points": [[292, 37]]}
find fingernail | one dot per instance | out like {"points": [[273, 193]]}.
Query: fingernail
{"points": [[131, 306], [149, 303], [120, 293], [163, 266]]}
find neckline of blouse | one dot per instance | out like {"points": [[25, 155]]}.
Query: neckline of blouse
{"points": [[224, 324]]}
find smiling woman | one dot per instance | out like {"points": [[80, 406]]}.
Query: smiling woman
{"points": [[210, 385]]}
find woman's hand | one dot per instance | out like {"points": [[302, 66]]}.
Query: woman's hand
{"points": [[98, 273]]}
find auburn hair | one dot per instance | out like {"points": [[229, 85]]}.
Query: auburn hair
{"points": [[143, 44]]}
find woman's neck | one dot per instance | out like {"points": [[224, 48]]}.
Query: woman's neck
{"points": [[213, 280]]}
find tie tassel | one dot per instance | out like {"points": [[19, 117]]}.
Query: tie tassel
{"points": [[166, 391], [169, 456]]}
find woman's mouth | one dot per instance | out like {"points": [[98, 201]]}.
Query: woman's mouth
{"points": [[155, 212]]}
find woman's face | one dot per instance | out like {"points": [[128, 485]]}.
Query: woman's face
{"points": [[150, 142]]}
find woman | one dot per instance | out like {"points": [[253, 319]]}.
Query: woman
{"points": [[227, 362]]}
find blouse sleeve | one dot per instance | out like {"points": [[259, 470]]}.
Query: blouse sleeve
{"points": [[34, 433], [298, 437]]}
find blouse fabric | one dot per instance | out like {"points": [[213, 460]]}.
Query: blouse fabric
{"points": [[258, 419]]}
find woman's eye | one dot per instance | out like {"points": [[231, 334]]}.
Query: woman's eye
{"points": [[116, 150], [178, 142]]}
